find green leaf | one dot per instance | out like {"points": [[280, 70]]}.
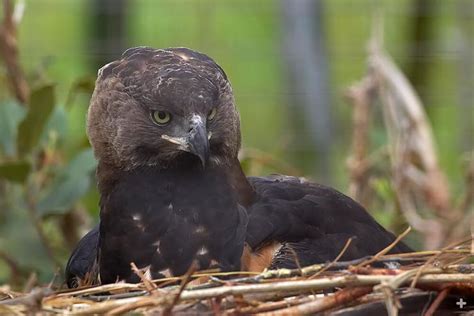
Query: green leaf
{"points": [[57, 122], [19, 238], [69, 186], [16, 171], [31, 128], [82, 85], [11, 114]]}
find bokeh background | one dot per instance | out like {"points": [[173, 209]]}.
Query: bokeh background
{"points": [[290, 63]]}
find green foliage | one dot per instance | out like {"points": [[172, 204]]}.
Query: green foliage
{"points": [[40, 108], [20, 241], [70, 184], [11, 114], [37, 188], [15, 171]]}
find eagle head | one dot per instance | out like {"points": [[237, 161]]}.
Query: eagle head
{"points": [[153, 107]]}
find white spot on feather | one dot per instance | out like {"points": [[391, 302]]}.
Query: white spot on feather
{"points": [[183, 56], [202, 251], [137, 218], [200, 229], [215, 160]]}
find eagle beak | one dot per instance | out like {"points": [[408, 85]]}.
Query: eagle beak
{"points": [[197, 139]]}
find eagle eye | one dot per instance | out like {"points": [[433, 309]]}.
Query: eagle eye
{"points": [[211, 114], [161, 117]]}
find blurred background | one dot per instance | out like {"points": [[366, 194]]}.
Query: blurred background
{"points": [[291, 64]]}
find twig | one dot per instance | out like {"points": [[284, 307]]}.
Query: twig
{"points": [[317, 284], [270, 306], [295, 258], [155, 301], [341, 253], [287, 286], [360, 96], [31, 282], [150, 286], [109, 306], [388, 289], [184, 282], [341, 297], [386, 249], [9, 53], [426, 253], [432, 259], [458, 277], [101, 298], [32, 299], [100, 289], [310, 270], [439, 299], [121, 309]]}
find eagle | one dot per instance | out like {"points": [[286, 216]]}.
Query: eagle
{"points": [[166, 134]]}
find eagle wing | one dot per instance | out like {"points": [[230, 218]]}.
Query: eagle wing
{"points": [[312, 222], [83, 260]]}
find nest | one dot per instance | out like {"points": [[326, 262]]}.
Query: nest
{"points": [[427, 281]]}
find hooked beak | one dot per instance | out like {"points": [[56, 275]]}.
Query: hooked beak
{"points": [[197, 139]]}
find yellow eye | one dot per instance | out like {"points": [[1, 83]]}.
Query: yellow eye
{"points": [[211, 114], [161, 117]]}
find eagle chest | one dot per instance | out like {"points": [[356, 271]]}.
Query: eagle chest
{"points": [[163, 220]]}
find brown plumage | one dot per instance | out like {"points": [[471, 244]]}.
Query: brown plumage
{"points": [[166, 133]]}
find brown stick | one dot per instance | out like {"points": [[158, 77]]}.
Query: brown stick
{"points": [[439, 299], [341, 253], [32, 299], [187, 277], [150, 286], [9, 54], [341, 297], [270, 306], [121, 309], [288, 286], [415, 165], [386, 249], [360, 96], [431, 260]]}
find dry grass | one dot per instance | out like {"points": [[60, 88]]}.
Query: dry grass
{"points": [[324, 287]]}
